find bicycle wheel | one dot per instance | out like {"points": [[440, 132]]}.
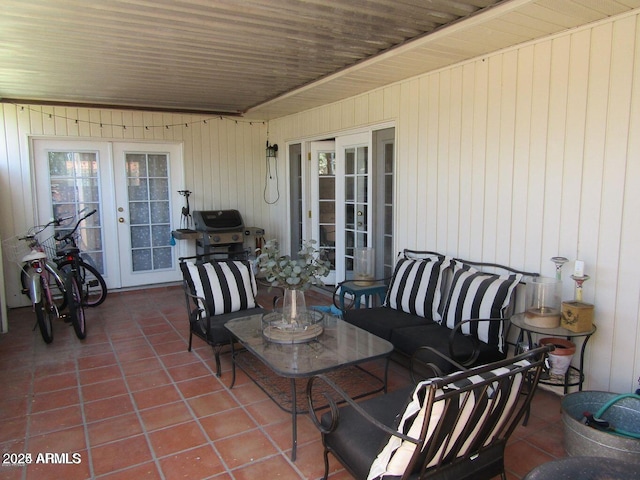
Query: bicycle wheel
{"points": [[44, 314], [94, 288], [76, 308], [56, 285]]}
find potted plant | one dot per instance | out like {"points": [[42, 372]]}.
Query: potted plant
{"points": [[293, 275]]}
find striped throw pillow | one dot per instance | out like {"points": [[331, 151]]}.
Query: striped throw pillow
{"points": [[416, 286], [227, 286], [394, 457], [475, 294]]}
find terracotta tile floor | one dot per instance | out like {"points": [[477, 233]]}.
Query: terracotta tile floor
{"points": [[131, 402]]}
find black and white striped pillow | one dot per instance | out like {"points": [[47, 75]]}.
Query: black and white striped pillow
{"points": [[416, 286], [227, 286], [394, 457], [475, 294]]}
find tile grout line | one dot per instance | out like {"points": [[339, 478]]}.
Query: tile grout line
{"points": [[279, 451], [30, 398], [137, 412], [241, 405], [183, 398], [84, 420]]}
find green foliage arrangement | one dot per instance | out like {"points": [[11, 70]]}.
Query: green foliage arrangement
{"points": [[296, 274]]}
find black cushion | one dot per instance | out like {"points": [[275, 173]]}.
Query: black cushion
{"points": [[358, 440], [382, 320], [218, 335], [409, 339]]}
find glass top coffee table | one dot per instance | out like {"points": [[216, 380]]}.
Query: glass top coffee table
{"points": [[337, 352]]}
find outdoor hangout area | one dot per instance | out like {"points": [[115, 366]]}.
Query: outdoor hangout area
{"points": [[134, 403]]}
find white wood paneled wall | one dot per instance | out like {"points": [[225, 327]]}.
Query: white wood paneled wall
{"points": [[224, 158], [520, 156], [513, 157]]}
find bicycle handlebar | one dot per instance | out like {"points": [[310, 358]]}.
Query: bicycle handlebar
{"points": [[69, 235], [33, 231]]}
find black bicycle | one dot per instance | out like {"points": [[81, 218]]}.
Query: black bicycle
{"points": [[84, 285]]}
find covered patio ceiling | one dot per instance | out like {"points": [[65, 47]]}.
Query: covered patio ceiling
{"points": [[256, 58]]}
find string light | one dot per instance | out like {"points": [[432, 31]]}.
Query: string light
{"points": [[146, 127]]}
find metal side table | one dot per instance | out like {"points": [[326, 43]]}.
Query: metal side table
{"points": [[358, 291], [574, 375]]}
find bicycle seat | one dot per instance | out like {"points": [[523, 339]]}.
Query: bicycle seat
{"points": [[34, 255], [68, 250]]}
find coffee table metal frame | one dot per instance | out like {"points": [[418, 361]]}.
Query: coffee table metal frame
{"points": [[340, 345]]}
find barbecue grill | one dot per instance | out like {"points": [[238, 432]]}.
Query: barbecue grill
{"points": [[222, 232]]}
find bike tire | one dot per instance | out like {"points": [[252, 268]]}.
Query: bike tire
{"points": [[56, 285], [43, 315], [76, 307], [93, 286]]}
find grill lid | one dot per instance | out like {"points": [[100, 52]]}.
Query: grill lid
{"points": [[217, 220]]}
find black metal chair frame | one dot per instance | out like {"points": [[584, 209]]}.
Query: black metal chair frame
{"points": [[200, 318], [477, 453]]}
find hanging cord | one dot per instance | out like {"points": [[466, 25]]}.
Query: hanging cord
{"points": [[269, 176]]}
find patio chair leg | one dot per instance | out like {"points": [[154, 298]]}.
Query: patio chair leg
{"points": [[326, 464], [190, 338], [216, 354]]}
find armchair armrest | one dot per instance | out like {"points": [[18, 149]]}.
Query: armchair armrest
{"points": [[415, 360], [197, 313], [335, 412], [475, 342]]}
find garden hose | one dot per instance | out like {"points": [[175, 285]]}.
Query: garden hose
{"points": [[596, 419]]}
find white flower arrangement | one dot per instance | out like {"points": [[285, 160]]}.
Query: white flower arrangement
{"points": [[295, 274]]}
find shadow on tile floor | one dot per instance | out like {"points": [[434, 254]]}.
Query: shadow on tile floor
{"points": [[131, 402]]}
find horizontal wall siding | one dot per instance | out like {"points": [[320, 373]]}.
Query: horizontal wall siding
{"points": [[520, 156]]}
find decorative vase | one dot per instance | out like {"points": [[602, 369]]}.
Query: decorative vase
{"points": [[543, 302], [364, 266], [293, 305]]}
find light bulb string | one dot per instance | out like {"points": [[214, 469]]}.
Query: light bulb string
{"points": [[102, 124]]}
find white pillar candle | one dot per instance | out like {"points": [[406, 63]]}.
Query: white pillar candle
{"points": [[578, 270]]}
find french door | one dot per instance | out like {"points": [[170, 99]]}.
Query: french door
{"points": [[341, 209], [133, 186], [324, 227], [353, 185]]}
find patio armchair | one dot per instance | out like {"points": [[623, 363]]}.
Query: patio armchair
{"points": [[445, 428], [217, 291]]}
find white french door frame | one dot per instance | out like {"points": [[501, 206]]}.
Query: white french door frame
{"points": [[315, 214], [343, 143], [129, 277], [113, 196], [308, 210]]}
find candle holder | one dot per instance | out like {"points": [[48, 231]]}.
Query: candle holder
{"points": [[559, 261], [579, 281]]}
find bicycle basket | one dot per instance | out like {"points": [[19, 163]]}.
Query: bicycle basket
{"points": [[50, 246], [15, 249]]}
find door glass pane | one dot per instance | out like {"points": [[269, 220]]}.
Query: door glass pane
{"points": [[327, 204], [388, 207], [73, 178], [350, 159], [295, 173], [363, 167], [149, 211], [356, 199]]}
